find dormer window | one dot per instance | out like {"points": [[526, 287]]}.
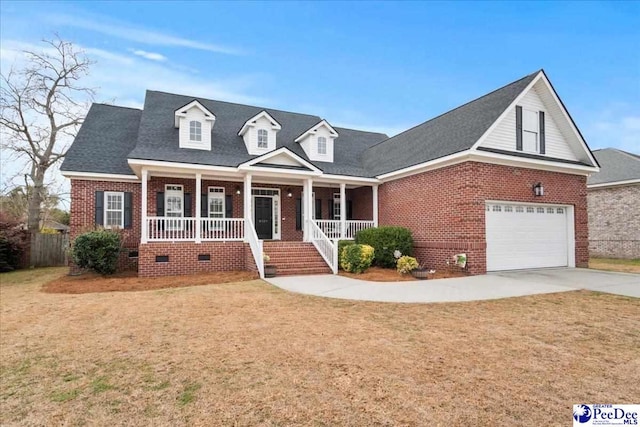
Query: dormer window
{"points": [[259, 133], [322, 145], [195, 123], [263, 138], [318, 142], [195, 131]]}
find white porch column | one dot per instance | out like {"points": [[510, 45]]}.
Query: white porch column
{"points": [[374, 189], [198, 206], [307, 208], [247, 197], [143, 207], [343, 210]]}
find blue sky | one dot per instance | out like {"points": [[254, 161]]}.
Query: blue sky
{"points": [[375, 66]]}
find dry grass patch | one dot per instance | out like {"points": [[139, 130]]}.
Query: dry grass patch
{"points": [[378, 274], [129, 281], [250, 354], [613, 264]]}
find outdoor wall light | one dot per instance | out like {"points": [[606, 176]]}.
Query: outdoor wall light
{"points": [[538, 190], [238, 189], [289, 193]]}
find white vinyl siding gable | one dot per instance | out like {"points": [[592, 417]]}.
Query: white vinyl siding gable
{"points": [[310, 145], [557, 145], [251, 137], [187, 131]]}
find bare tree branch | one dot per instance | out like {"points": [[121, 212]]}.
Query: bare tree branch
{"points": [[41, 105]]}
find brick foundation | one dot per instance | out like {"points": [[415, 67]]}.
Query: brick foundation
{"points": [[445, 208], [183, 258]]}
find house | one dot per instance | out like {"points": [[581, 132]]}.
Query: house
{"points": [[203, 185], [613, 200]]}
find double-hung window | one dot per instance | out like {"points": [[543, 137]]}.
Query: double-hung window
{"points": [[336, 206], [530, 131], [322, 145], [263, 138], [113, 209], [215, 202], [174, 206], [195, 131]]}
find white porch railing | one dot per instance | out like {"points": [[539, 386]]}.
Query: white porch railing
{"points": [[222, 229], [162, 228], [327, 249], [256, 246], [332, 228]]}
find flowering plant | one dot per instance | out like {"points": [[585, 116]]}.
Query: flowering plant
{"points": [[266, 258]]}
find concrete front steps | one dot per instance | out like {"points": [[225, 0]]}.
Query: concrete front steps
{"points": [[295, 258]]}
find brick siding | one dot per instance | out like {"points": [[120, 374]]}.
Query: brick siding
{"points": [[445, 208], [83, 216], [614, 222]]}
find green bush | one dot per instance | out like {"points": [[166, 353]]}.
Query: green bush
{"points": [[385, 241], [407, 264], [356, 258], [97, 250]]}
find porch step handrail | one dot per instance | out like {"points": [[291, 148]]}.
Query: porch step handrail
{"points": [[332, 228], [255, 244], [327, 249]]}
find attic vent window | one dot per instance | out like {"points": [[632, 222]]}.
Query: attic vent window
{"points": [[195, 131], [263, 138], [322, 145]]}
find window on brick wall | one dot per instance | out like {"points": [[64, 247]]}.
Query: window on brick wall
{"points": [[113, 209]]}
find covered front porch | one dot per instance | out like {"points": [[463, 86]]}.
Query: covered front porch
{"points": [[254, 205]]}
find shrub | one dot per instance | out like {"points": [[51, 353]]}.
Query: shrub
{"points": [[406, 264], [385, 241], [97, 250], [13, 243], [343, 244], [356, 258]]}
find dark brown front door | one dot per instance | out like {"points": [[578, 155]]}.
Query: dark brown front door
{"points": [[264, 217]]}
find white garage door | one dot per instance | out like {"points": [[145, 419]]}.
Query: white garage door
{"points": [[525, 236]]}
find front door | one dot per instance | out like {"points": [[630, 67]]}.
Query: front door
{"points": [[264, 217]]}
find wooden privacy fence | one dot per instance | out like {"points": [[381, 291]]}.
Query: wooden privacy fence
{"points": [[49, 250]]}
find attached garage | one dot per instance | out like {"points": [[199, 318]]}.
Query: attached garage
{"points": [[523, 236]]}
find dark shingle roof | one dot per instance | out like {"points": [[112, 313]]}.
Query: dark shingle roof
{"points": [[158, 138], [103, 142], [615, 165], [449, 133]]}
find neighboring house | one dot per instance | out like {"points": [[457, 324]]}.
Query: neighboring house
{"points": [[54, 225], [203, 185], [613, 197]]}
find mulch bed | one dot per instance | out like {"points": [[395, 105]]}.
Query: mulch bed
{"points": [[129, 281], [378, 274]]}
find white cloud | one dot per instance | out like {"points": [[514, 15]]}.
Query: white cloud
{"points": [[149, 55], [126, 31]]}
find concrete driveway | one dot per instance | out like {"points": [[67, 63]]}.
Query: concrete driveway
{"points": [[474, 288]]}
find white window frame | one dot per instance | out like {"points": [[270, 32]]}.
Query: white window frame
{"points": [[106, 209], [322, 145], [336, 206], [170, 191], [531, 129], [195, 131], [262, 139]]}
